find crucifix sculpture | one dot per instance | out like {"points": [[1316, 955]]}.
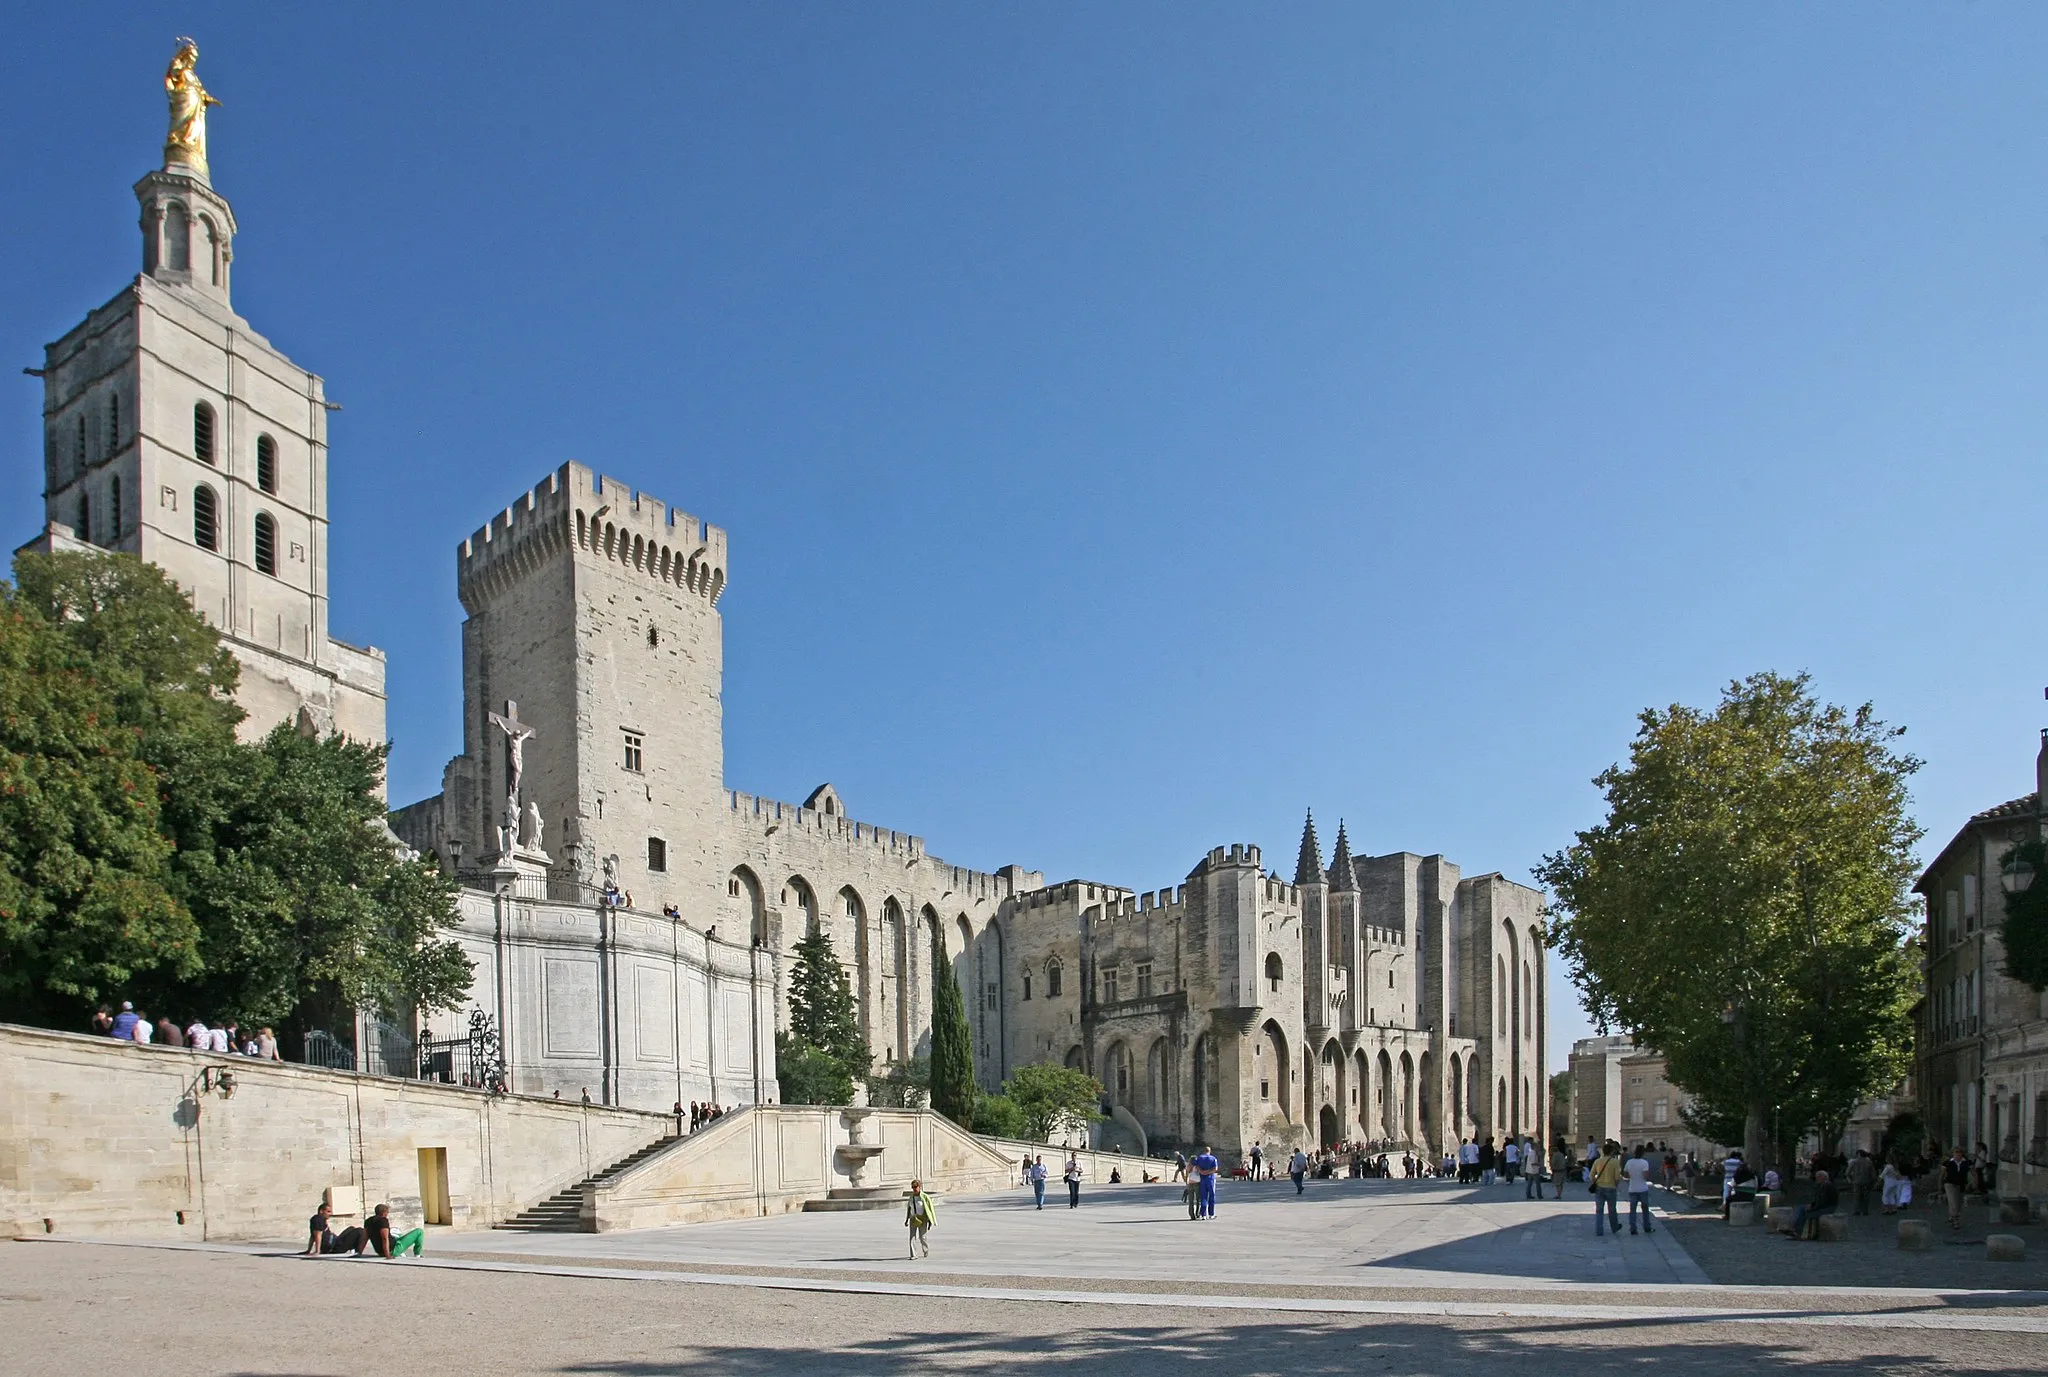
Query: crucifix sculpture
{"points": [[517, 734]]}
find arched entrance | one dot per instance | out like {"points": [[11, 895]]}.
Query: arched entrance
{"points": [[1328, 1125]]}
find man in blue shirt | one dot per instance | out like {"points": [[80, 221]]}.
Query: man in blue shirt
{"points": [[1206, 1166], [124, 1022]]}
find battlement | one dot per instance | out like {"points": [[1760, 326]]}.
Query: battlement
{"points": [[1282, 892], [1162, 903], [577, 509], [837, 826], [1237, 854]]}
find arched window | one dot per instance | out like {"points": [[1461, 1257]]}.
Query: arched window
{"points": [[113, 509], [1273, 970], [1052, 978], [1500, 988], [178, 239], [266, 463], [266, 544], [113, 421], [202, 433], [205, 518], [85, 516]]}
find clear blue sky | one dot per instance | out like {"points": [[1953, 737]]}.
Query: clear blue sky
{"points": [[1137, 423]]}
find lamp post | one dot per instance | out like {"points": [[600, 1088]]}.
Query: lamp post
{"points": [[2016, 874]]}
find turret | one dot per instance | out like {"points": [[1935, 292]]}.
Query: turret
{"points": [[1343, 874], [1308, 870]]}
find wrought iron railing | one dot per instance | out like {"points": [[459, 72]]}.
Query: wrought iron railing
{"points": [[325, 1049], [475, 1058]]}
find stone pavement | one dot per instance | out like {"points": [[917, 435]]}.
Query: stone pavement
{"points": [[1346, 1233]]}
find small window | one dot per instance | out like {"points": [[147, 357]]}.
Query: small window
{"points": [[657, 854], [266, 463], [113, 421], [85, 516], [1144, 982], [991, 995], [113, 509], [653, 636], [78, 454], [1027, 985], [266, 544], [635, 755], [1109, 995], [205, 518], [1052, 980], [1265, 1090], [1273, 970], [202, 433], [732, 887]]}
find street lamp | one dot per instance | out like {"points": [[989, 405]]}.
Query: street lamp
{"points": [[2016, 875]]}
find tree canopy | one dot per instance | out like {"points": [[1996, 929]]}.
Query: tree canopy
{"points": [[820, 1056], [1053, 1099], [146, 853], [1744, 907]]}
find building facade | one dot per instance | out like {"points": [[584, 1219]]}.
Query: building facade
{"points": [[1624, 1092], [1982, 1044]]}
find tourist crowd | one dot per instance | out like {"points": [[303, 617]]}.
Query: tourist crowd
{"points": [[132, 1025]]}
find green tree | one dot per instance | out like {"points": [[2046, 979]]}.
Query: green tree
{"points": [[2025, 928], [1743, 908], [904, 1085], [271, 879], [86, 908], [1054, 1099], [1560, 1103], [999, 1116], [953, 1087], [822, 1054]]}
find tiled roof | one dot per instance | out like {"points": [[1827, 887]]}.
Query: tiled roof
{"points": [[2017, 808]]}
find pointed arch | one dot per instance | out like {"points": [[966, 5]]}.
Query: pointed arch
{"points": [[1360, 1111], [743, 905], [1271, 1062], [800, 903]]}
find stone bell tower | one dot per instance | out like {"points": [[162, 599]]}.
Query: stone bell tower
{"points": [[175, 432]]}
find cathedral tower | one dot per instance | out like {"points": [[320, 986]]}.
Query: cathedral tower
{"points": [[173, 431]]}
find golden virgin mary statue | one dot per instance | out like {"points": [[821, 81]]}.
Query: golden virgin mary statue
{"points": [[186, 143]]}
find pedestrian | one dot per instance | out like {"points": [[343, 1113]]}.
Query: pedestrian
{"points": [[1532, 1169], [1180, 1167], [1072, 1176], [217, 1039], [1038, 1180], [143, 1029], [1024, 1170], [1560, 1166], [1297, 1168], [1825, 1198], [1605, 1178], [1732, 1166], [322, 1239], [123, 1027], [1258, 1156], [1637, 1168], [1955, 1176], [920, 1214], [169, 1034], [103, 1022], [1898, 1189], [1862, 1174], [1206, 1167], [1191, 1195], [378, 1227], [1486, 1161], [1511, 1160], [586, 1094]]}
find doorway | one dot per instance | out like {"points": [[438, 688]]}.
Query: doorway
{"points": [[1329, 1126], [434, 1185]]}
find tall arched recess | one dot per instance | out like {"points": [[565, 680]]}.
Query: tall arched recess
{"points": [[856, 916]]}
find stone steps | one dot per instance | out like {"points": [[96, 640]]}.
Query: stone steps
{"points": [[562, 1212]]}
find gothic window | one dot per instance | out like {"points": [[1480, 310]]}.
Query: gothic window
{"points": [[178, 239], [991, 995], [266, 463], [657, 855], [1109, 994], [113, 421], [78, 452], [1144, 982], [85, 516], [1027, 985], [653, 636], [114, 509], [1274, 971], [202, 433], [205, 518], [635, 753], [1052, 978], [266, 544]]}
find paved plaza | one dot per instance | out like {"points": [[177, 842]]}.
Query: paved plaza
{"points": [[1385, 1277]]}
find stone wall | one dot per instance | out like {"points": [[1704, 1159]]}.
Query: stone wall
{"points": [[119, 1138]]}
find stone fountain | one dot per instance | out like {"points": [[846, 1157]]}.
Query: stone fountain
{"points": [[852, 1157]]}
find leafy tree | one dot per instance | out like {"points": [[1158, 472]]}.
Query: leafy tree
{"points": [[999, 1116], [822, 1054], [244, 880], [85, 903], [1560, 1102], [1054, 1099], [2025, 929], [1744, 906], [905, 1085], [809, 1075], [953, 1087]]}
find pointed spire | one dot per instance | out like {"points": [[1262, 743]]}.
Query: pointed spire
{"points": [[1309, 869], [1343, 876]]}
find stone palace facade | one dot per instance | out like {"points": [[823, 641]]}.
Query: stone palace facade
{"points": [[631, 917]]}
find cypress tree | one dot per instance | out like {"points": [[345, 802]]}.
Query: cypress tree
{"points": [[953, 1088], [823, 1053]]}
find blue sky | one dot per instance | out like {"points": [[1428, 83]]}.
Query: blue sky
{"points": [[1138, 423]]}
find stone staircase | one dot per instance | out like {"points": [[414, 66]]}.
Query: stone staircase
{"points": [[562, 1212]]}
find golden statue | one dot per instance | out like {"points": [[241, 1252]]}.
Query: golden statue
{"points": [[186, 143]]}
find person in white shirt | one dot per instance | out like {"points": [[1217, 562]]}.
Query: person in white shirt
{"points": [[144, 1030], [217, 1039], [1637, 1169], [1297, 1167], [195, 1035], [1513, 1155]]}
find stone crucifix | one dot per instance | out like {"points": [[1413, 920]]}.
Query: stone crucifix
{"points": [[517, 734]]}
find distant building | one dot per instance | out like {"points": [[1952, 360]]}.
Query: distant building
{"points": [[1982, 1050], [1621, 1091]]}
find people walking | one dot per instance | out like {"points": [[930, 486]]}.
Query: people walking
{"points": [[1560, 1166], [1532, 1170], [1258, 1159], [920, 1214], [1297, 1168], [1955, 1176], [1605, 1175], [1898, 1189], [1206, 1167], [1038, 1180], [1072, 1176], [1862, 1174], [1511, 1160], [1637, 1169]]}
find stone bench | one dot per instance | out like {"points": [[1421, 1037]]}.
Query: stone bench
{"points": [[1742, 1214], [1915, 1235], [1834, 1228], [2005, 1248], [1779, 1218]]}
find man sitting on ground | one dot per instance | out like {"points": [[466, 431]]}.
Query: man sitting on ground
{"points": [[384, 1245], [322, 1239]]}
